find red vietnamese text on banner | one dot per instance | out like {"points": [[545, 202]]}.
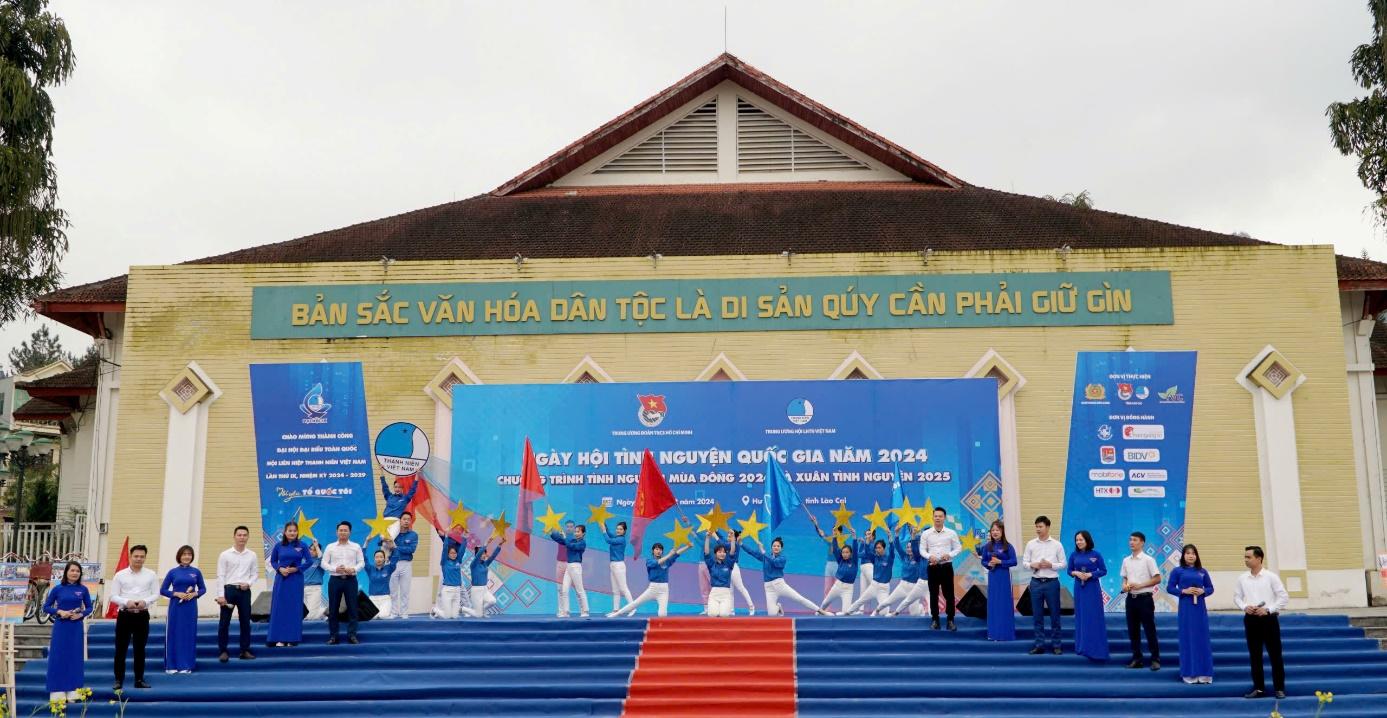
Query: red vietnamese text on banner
{"points": [[653, 498]]}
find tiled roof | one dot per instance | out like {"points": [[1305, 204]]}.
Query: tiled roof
{"points": [[106, 290], [83, 377], [37, 409], [1355, 269]]}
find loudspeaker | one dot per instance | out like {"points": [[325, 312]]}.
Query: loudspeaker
{"points": [[973, 604], [1023, 606], [260, 607], [365, 609]]}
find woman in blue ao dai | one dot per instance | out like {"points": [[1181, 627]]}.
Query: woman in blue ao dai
{"points": [[1192, 584], [68, 603], [1090, 627], [998, 557], [289, 559], [182, 586]]}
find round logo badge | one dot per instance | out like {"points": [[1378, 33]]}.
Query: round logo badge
{"points": [[800, 411], [402, 449]]}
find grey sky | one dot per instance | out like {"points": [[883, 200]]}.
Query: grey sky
{"points": [[192, 129]]}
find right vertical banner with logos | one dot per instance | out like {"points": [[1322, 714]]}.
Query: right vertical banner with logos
{"points": [[1129, 455]]}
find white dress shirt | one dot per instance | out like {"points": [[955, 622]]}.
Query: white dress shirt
{"points": [[1264, 590], [1050, 550], [235, 567], [1139, 569], [940, 544], [342, 555], [129, 585]]}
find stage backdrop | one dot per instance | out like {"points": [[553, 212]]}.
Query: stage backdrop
{"points": [[313, 450], [838, 440], [1129, 454]]}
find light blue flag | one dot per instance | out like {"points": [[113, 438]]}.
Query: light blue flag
{"points": [[897, 493], [781, 498]]}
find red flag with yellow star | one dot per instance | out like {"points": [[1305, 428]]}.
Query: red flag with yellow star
{"points": [[531, 488], [653, 497]]}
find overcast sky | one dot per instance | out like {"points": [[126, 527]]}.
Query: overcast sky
{"points": [[192, 129]]}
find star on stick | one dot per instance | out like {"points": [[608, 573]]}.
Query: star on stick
{"points": [[970, 541], [842, 516], [380, 526], [877, 518], [306, 526], [905, 512], [716, 520], [551, 519], [459, 515], [598, 514], [752, 527], [500, 524], [679, 536]]}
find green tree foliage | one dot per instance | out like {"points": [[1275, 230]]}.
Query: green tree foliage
{"points": [[42, 348], [35, 54], [1082, 200], [1359, 127], [40, 492]]}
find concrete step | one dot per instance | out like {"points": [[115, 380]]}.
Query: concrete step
{"points": [[1368, 621], [1375, 631]]}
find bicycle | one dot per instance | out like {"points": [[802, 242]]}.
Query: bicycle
{"points": [[40, 576]]}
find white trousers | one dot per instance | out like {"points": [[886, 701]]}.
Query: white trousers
{"points": [[481, 599], [313, 601], [741, 587], [864, 581], [914, 601], [573, 577], [657, 592], [720, 601], [876, 592], [399, 588], [842, 592], [705, 583], [894, 599], [449, 602], [617, 573], [778, 589], [382, 605]]}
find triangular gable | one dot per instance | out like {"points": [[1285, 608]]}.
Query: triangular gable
{"points": [[728, 68]]}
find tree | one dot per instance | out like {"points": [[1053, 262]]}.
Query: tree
{"points": [[42, 348], [35, 53], [1359, 127], [1082, 200], [40, 492]]}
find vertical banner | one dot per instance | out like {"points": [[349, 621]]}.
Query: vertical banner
{"points": [[1129, 454], [312, 448]]}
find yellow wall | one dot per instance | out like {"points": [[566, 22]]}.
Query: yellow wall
{"points": [[1229, 303]]}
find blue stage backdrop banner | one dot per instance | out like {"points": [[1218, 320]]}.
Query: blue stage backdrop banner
{"points": [[839, 441], [313, 448], [1129, 455]]}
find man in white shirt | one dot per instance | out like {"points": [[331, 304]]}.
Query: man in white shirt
{"points": [[342, 560], [1140, 576], [236, 568], [1044, 556], [1262, 597], [133, 590], [939, 545]]}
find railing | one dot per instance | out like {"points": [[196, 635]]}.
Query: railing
{"points": [[7, 652], [37, 539]]}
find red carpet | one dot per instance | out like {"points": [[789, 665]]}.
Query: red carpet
{"points": [[714, 666]]}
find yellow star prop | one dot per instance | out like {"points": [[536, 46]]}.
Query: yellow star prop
{"points": [[306, 527], [905, 512], [926, 514], [877, 518], [679, 536], [716, 519], [970, 541], [500, 524], [380, 526], [552, 520], [703, 525], [842, 516], [752, 528], [599, 515], [459, 515]]}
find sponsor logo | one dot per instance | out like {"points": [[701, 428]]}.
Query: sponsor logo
{"points": [[1107, 454], [1147, 475], [1106, 474], [1124, 391], [1104, 432], [1142, 393], [314, 407], [1144, 492], [1095, 392], [652, 410], [1108, 492], [1171, 396], [1139, 432], [799, 412], [1141, 456]]}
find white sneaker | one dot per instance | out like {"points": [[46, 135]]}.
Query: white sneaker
{"points": [[751, 612], [612, 614]]}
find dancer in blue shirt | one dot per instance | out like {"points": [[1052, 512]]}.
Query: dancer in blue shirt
{"points": [[774, 579], [719, 562], [1090, 628], [616, 563], [450, 588], [1191, 583], [481, 597], [314, 598], [657, 569], [865, 566], [883, 559], [831, 564], [289, 558], [573, 574], [378, 580], [846, 574], [69, 603], [909, 590], [396, 500], [998, 557], [401, 549], [182, 586]]}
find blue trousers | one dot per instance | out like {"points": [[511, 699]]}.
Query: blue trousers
{"points": [[1045, 597]]}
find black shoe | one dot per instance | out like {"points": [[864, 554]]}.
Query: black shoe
{"points": [[952, 627], [141, 684], [245, 656], [1155, 665], [1281, 695], [934, 624], [116, 687], [224, 657], [1136, 663], [1037, 650], [352, 640], [332, 641], [1057, 651], [1254, 693]]}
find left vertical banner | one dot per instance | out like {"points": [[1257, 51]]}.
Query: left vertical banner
{"points": [[312, 447]]}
